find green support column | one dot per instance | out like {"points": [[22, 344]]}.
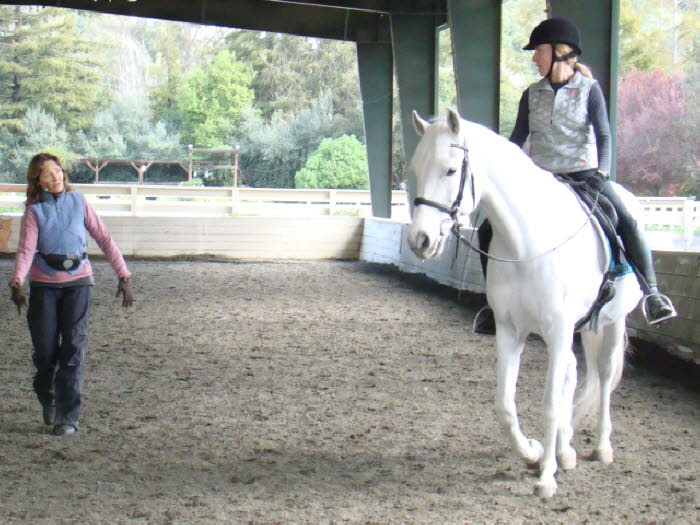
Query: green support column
{"points": [[414, 39], [376, 82], [475, 29], [599, 28]]}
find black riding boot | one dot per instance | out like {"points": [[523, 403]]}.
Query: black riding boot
{"points": [[656, 306], [484, 323]]}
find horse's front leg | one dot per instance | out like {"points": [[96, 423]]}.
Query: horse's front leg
{"points": [[566, 455], [555, 410], [509, 346]]}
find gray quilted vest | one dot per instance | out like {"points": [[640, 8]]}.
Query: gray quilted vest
{"points": [[561, 135], [61, 227]]}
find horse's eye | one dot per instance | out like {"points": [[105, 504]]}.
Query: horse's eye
{"points": [[451, 172]]}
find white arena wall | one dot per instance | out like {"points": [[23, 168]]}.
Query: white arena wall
{"points": [[367, 239], [678, 273], [224, 237]]}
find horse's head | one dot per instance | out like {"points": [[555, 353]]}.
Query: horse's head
{"points": [[443, 180]]}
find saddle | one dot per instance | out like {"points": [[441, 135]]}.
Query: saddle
{"points": [[600, 207], [589, 192]]}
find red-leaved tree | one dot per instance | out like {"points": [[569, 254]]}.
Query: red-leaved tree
{"points": [[655, 147]]}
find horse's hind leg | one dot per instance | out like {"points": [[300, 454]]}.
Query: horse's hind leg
{"points": [[566, 455], [610, 364], [555, 407], [509, 347]]}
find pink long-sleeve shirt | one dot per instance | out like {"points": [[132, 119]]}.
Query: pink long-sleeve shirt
{"points": [[29, 234]]}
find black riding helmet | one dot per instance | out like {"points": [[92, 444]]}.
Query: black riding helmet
{"points": [[554, 31]]}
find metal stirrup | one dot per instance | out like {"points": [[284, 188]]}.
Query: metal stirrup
{"points": [[668, 316]]}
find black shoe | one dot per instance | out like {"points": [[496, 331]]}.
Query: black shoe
{"points": [[657, 308], [484, 323], [49, 413], [64, 430]]}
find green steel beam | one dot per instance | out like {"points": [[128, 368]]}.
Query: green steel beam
{"points": [[475, 28], [259, 15], [599, 39], [414, 39], [375, 64]]}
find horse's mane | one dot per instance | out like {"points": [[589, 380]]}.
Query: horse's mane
{"points": [[504, 151]]}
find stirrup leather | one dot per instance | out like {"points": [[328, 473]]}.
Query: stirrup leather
{"points": [[666, 317]]}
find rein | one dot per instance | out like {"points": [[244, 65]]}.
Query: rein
{"points": [[453, 210]]}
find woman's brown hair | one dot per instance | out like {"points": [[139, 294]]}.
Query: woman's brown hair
{"points": [[34, 189]]}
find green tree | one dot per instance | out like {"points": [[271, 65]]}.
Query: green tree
{"points": [[211, 99], [176, 49], [45, 62], [291, 72], [339, 163], [42, 132], [517, 70], [273, 151]]}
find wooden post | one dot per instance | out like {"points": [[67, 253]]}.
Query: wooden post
{"points": [[96, 168], [141, 169], [189, 171], [332, 199], [688, 225], [134, 199], [235, 167]]}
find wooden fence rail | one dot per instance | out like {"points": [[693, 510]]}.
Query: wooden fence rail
{"points": [[678, 214], [197, 201]]}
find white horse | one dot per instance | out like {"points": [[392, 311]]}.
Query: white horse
{"points": [[552, 261]]}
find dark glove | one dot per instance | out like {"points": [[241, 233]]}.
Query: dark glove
{"points": [[123, 289], [19, 297]]}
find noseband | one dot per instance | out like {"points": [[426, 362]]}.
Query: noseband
{"points": [[453, 210]]}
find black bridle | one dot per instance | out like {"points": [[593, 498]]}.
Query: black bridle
{"points": [[453, 210]]}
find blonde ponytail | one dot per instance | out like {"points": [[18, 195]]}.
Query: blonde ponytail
{"points": [[564, 49]]}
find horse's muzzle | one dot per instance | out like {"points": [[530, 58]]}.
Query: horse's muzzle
{"points": [[424, 246]]}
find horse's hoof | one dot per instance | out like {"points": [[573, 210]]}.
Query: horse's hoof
{"points": [[567, 460], [604, 455], [532, 459], [545, 489]]}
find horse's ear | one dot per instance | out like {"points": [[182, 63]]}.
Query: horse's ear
{"points": [[453, 121], [419, 124]]}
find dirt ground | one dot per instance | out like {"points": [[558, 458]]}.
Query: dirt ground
{"points": [[315, 392]]}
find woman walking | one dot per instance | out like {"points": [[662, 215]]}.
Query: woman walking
{"points": [[52, 250]]}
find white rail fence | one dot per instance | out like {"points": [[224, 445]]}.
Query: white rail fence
{"points": [[676, 219], [194, 201]]}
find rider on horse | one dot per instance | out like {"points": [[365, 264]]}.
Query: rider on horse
{"points": [[565, 118]]}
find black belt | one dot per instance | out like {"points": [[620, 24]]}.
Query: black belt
{"points": [[60, 261]]}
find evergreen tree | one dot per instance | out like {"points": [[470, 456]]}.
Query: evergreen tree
{"points": [[42, 132], [272, 152], [45, 62]]}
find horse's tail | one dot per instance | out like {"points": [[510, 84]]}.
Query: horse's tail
{"points": [[597, 348]]}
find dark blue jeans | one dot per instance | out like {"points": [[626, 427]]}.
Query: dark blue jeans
{"points": [[58, 319]]}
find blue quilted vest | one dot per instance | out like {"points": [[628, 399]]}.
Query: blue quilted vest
{"points": [[61, 224]]}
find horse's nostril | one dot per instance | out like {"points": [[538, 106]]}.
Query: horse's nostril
{"points": [[423, 242]]}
